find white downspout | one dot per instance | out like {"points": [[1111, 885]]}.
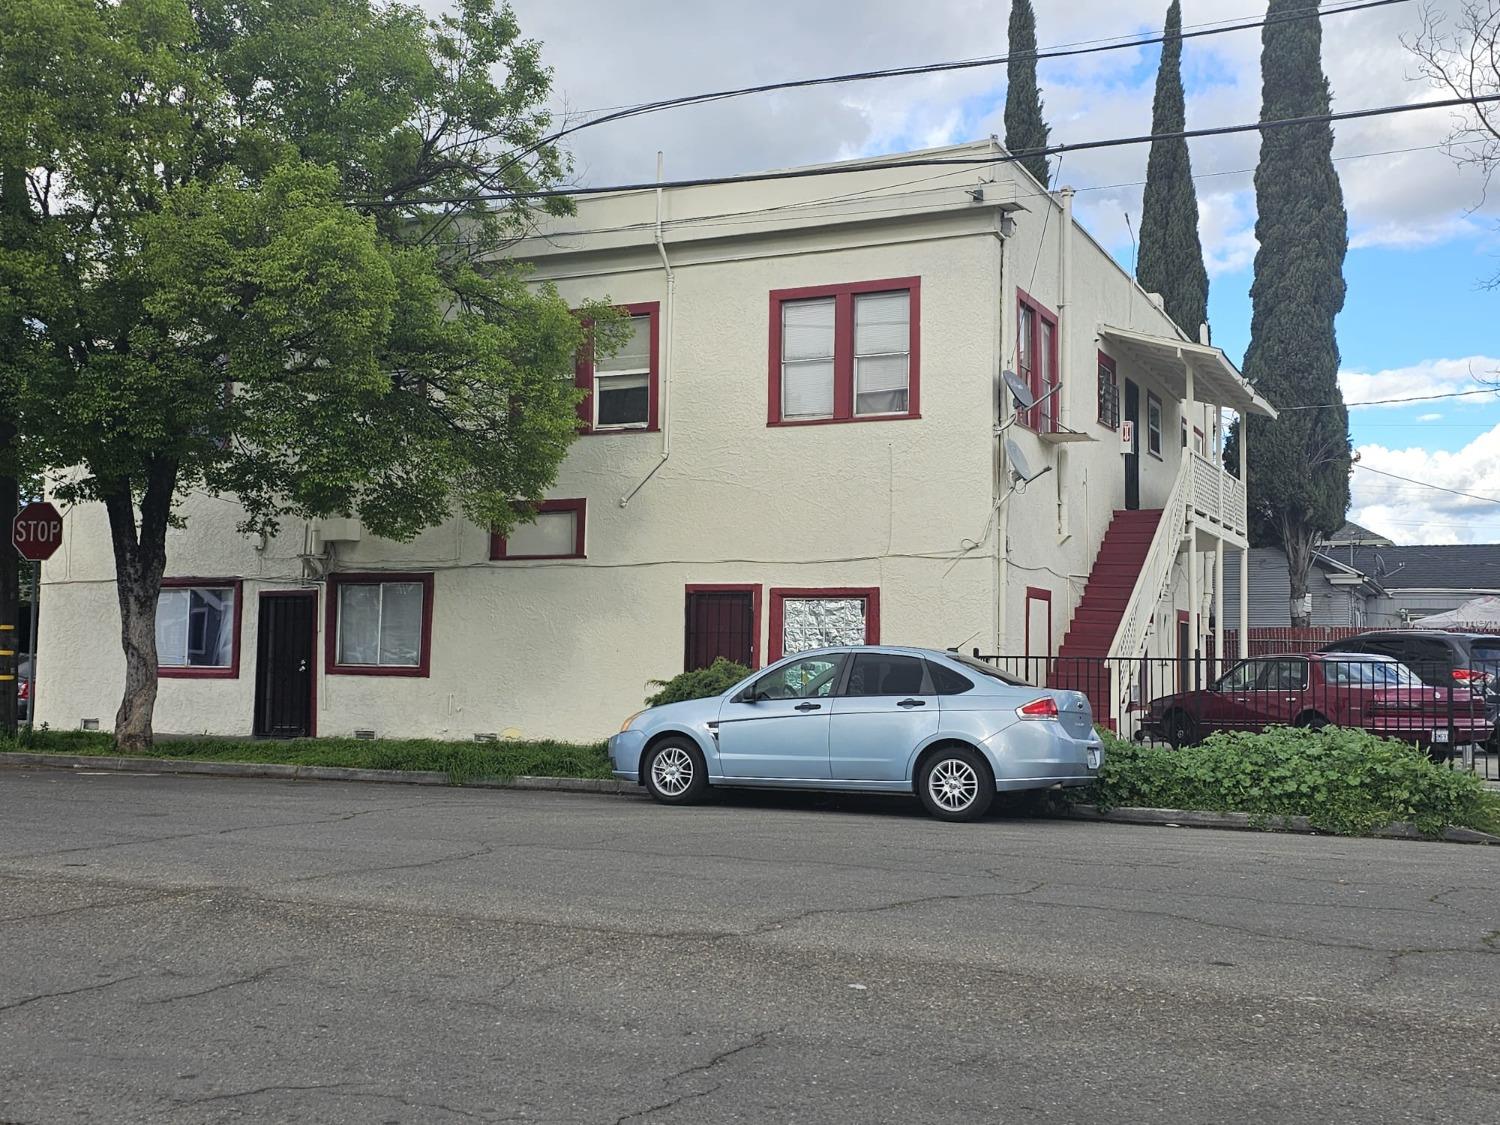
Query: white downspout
{"points": [[1064, 303], [667, 328]]}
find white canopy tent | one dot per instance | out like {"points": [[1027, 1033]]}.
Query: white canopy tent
{"points": [[1482, 613]]}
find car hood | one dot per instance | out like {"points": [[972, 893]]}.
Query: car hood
{"points": [[690, 712]]}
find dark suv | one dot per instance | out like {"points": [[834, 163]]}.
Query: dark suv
{"points": [[1440, 659]]}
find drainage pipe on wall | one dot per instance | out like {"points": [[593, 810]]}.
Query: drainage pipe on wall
{"points": [[667, 329]]}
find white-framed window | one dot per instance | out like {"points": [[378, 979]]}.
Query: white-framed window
{"points": [[1153, 424], [807, 359], [195, 627], [882, 352]]}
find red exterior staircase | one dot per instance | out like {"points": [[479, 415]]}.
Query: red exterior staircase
{"points": [[1116, 567]]}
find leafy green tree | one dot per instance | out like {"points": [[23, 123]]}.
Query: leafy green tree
{"points": [[1025, 130], [238, 279], [1299, 463], [1171, 257]]}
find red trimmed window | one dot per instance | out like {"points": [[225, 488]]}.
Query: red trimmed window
{"points": [[1109, 393], [556, 533], [1036, 361], [379, 624], [621, 391], [198, 628], [803, 619], [846, 353]]}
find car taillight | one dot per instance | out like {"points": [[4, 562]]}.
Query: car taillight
{"points": [[24, 692], [1043, 708], [1471, 676]]}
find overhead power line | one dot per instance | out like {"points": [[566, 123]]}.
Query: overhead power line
{"points": [[930, 162], [1392, 401], [920, 69], [1425, 484]]}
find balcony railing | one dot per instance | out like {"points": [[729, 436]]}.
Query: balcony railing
{"points": [[1218, 498]]}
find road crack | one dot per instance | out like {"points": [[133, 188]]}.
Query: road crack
{"points": [[755, 1041], [14, 1004]]}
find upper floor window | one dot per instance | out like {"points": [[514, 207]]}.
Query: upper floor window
{"points": [[380, 624], [1109, 393], [620, 390], [845, 353], [557, 532], [1036, 359], [1153, 424], [198, 628]]}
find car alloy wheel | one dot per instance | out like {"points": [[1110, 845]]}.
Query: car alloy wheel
{"points": [[672, 770], [956, 784], [676, 773], [953, 785]]}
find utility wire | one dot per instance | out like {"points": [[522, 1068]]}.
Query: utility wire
{"points": [[928, 162], [1425, 484], [942, 67], [1390, 401]]}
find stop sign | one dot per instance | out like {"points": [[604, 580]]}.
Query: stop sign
{"points": [[37, 531]]}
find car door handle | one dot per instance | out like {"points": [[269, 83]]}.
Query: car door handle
{"points": [[912, 703], [809, 707]]}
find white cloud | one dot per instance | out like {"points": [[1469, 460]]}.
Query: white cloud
{"points": [[1429, 417], [606, 54], [1411, 510], [1430, 377]]}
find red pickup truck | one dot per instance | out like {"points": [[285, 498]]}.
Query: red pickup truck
{"points": [[1321, 689]]}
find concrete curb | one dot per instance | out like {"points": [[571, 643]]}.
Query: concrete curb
{"points": [[1174, 818], [1243, 822], [315, 773]]}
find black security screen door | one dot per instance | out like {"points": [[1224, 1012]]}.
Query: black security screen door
{"points": [[720, 623], [284, 665], [1133, 456]]}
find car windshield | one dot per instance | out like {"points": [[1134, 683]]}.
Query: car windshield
{"points": [[976, 665]]}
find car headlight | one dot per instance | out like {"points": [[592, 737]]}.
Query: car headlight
{"points": [[625, 726]]}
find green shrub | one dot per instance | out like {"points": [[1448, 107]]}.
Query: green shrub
{"points": [[700, 683], [1344, 781]]}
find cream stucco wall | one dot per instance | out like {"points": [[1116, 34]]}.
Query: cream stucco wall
{"points": [[564, 648]]}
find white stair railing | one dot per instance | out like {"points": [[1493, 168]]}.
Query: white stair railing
{"points": [[1151, 585]]}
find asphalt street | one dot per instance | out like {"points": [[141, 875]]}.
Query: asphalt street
{"points": [[187, 950]]}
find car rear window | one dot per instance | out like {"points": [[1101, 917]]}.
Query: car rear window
{"points": [[946, 681], [988, 670]]}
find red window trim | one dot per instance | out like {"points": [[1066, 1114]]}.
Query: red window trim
{"points": [[779, 595], [754, 589], [1043, 413], [331, 626], [190, 672], [499, 549], [1107, 362], [312, 699], [583, 378], [843, 350], [1037, 594]]}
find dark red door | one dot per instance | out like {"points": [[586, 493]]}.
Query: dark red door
{"points": [[719, 623]]}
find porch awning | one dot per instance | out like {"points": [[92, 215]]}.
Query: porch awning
{"points": [[1215, 380]]}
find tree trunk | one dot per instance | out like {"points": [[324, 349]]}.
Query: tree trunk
{"points": [[1297, 541], [140, 559], [10, 586]]}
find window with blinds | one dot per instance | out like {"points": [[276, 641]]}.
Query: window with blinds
{"points": [[845, 353], [620, 389]]}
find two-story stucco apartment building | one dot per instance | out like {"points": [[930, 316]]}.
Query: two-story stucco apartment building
{"points": [[798, 447]]}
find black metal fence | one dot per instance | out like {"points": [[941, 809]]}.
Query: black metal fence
{"points": [[1181, 700]]}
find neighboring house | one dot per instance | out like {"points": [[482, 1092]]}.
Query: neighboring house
{"points": [[798, 447], [1368, 582], [1341, 594]]}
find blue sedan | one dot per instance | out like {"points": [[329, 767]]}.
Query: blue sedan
{"points": [[872, 719]]}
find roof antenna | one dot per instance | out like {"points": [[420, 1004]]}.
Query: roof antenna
{"points": [[1134, 256]]}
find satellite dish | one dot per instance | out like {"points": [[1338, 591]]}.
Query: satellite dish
{"points": [[1019, 468], [1019, 391]]}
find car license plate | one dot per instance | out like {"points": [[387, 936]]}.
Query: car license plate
{"points": [[1440, 736], [1093, 757]]}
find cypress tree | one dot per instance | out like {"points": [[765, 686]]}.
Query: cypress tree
{"points": [[1299, 463], [1024, 128], [1171, 257]]}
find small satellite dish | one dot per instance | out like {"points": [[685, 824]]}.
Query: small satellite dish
{"points": [[1019, 391], [1020, 469]]}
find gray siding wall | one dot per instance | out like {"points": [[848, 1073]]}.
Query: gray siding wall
{"points": [[1271, 593]]}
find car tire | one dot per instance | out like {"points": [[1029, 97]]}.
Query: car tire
{"points": [[955, 784], [1181, 729], [675, 772], [1312, 721]]}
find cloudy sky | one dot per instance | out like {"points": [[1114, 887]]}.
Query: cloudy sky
{"points": [[1417, 321]]}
